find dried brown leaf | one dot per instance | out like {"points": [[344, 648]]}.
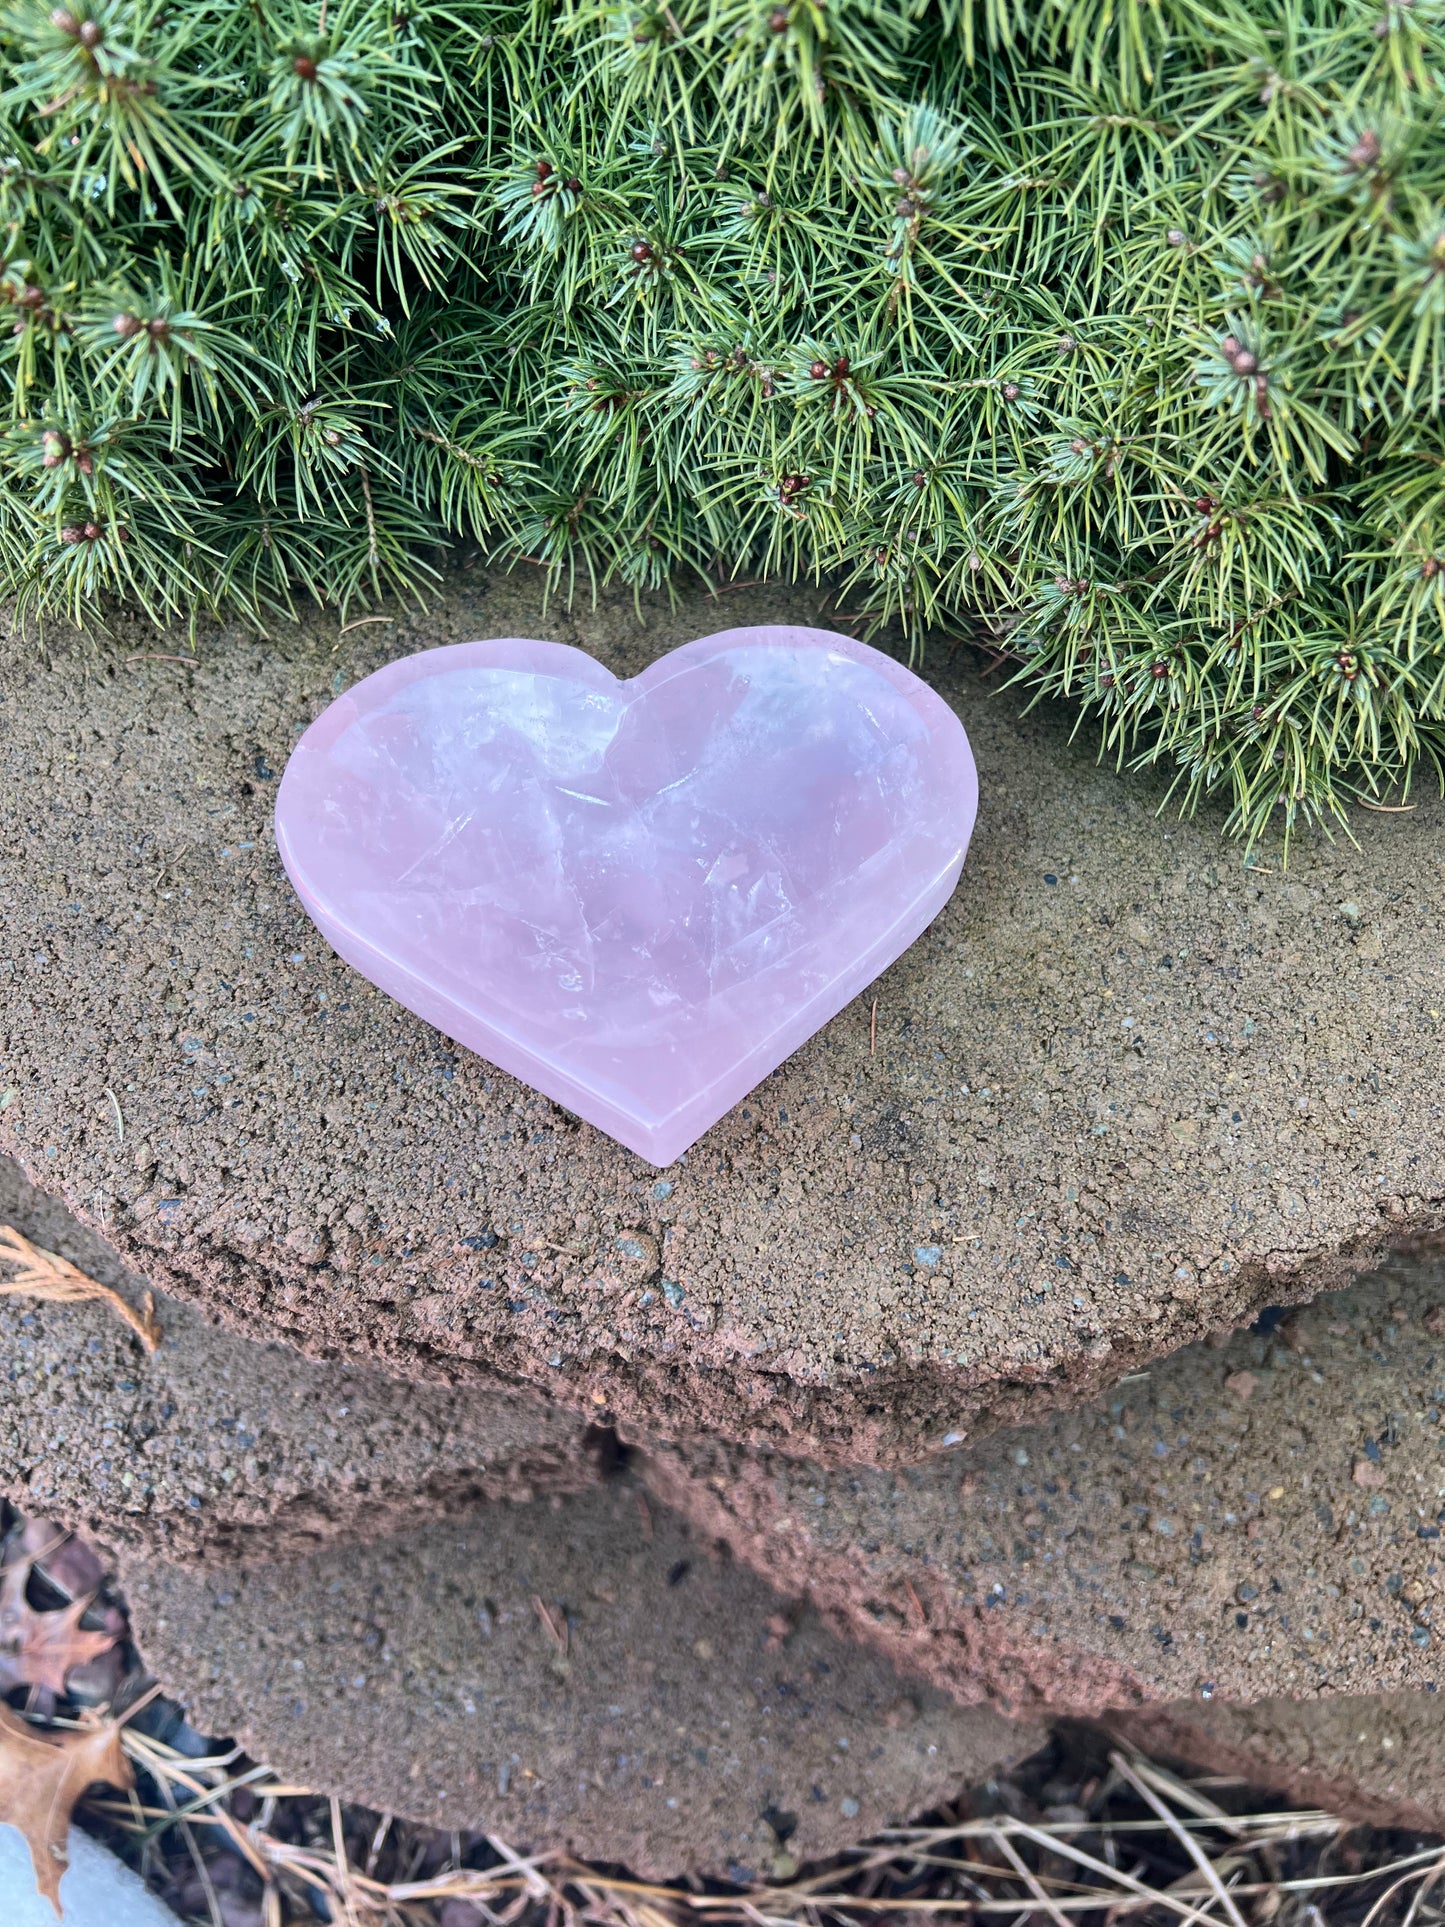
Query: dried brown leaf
{"points": [[38, 1648], [42, 1775], [41, 1274]]}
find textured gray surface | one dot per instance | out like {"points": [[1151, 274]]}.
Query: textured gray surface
{"points": [[1379, 1758], [1125, 1089], [577, 1673], [1259, 1519], [217, 1442]]}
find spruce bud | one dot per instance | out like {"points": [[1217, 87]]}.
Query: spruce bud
{"points": [[304, 67], [1243, 362], [90, 34], [778, 20], [920, 480], [1176, 237], [901, 177], [574, 186], [1365, 152], [64, 21], [71, 534], [92, 531], [127, 326], [158, 329], [57, 447], [819, 370], [841, 367], [1010, 391], [544, 170], [906, 209]]}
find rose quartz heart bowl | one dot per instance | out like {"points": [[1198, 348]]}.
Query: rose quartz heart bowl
{"points": [[638, 897]]}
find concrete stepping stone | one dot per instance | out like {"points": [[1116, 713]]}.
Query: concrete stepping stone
{"points": [[1234, 1524], [577, 1673], [217, 1443], [1380, 1759], [1126, 1090]]}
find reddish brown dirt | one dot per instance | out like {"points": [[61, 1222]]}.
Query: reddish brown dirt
{"points": [[1125, 1090], [216, 1445], [1257, 1520], [578, 1673]]}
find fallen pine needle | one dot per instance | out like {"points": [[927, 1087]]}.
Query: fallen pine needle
{"points": [[873, 1031], [43, 1275], [558, 1636]]}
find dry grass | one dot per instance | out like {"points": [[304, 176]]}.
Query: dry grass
{"points": [[41, 1274], [1083, 1836]]}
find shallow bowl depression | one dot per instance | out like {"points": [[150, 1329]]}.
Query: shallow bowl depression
{"points": [[639, 897]]}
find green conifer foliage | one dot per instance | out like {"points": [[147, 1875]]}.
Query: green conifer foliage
{"points": [[1110, 330]]}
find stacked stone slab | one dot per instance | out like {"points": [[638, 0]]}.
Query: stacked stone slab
{"points": [[641, 1697], [585, 1675], [890, 1334], [220, 1448], [1260, 1519], [1379, 1758], [319, 1559], [1125, 1091]]}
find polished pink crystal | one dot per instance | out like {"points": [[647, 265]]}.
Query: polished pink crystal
{"points": [[638, 897]]}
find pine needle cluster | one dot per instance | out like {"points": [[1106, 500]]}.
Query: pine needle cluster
{"points": [[1113, 330]]}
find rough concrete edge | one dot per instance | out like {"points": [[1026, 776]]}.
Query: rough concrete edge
{"points": [[313, 1522], [1026, 1733], [1169, 1732], [613, 1389], [967, 1659]]}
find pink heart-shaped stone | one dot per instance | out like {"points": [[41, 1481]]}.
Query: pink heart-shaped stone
{"points": [[638, 897]]}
